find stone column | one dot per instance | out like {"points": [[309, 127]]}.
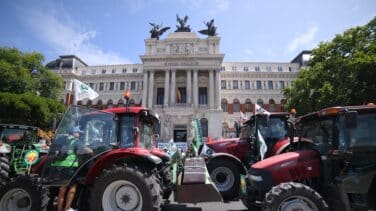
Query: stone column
{"points": [[173, 88], [167, 87], [151, 89], [145, 89], [211, 89], [217, 103], [195, 88], [189, 88]]}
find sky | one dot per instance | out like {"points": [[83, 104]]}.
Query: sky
{"points": [[104, 32]]}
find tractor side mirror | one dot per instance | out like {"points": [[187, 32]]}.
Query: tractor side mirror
{"points": [[351, 119]]}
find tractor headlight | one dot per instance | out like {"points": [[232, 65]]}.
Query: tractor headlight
{"points": [[256, 178], [206, 151]]}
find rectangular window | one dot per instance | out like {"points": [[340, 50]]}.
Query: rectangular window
{"points": [[223, 69], [290, 69], [101, 86], [280, 69], [113, 70], [160, 96], [247, 85], [233, 68], [103, 71], [112, 86], [122, 85], [268, 68], [257, 69], [270, 84], [235, 84], [124, 70], [245, 69], [281, 84], [83, 72], [93, 72], [91, 85], [258, 85], [223, 84], [182, 95], [133, 85], [202, 95], [135, 70]]}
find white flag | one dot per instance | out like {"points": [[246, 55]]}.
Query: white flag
{"points": [[243, 117], [262, 145], [83, 91], [260, 110]]}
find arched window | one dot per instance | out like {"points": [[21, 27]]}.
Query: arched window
{"points": [[224, 129], [99, 104], [204, 127], [224, 105], [121, 103], [248, 105], [89, 103], [110, 103], [131, 101], [271, 105], [260, 102], [79, 102], [236, 105]]}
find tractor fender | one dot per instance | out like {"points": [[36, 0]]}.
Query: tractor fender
{"points": [[230, 157], [106, 159]]}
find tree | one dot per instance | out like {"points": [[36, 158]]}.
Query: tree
{"points": [[28, 90], [341, 72]]}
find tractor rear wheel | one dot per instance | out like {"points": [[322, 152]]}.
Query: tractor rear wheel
{"points": [[4, 169], [294, 196], [23, 193], [225, 176], [125, 188]]}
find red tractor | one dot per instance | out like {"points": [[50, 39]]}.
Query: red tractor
{"points": [[339, 169], [227, 159], [119, 172]]}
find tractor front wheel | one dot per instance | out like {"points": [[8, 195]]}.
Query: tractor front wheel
{"points": [[225, 176], [23, 193], [125, 188], [294, 196], [4, 169]]}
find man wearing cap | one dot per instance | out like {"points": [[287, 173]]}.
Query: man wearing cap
{"points": [[73, 148]]}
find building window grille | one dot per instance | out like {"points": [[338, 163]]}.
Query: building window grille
{"points": [[122, 85], [223, 84], [112, 86], [270, 84], [235, 84], [247, 85], [101, 86], [133, 85], [160, 96], [202, 95], [258, 85]]}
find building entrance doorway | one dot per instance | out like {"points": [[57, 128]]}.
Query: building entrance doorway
{"points": [[180, 133]]}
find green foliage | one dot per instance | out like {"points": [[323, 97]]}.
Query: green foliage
{"points": [[341, 72], [16, 74], [22, 78], [29, 109]]}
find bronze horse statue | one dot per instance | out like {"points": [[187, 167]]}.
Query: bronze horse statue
{"points": [[211, 29], [157, 30], [182, 24]]}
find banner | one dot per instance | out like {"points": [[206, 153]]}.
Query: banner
{"points": [[82, 91], [260, 110]]}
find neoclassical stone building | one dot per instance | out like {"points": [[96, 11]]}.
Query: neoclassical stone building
{"points": [[184, 77]]}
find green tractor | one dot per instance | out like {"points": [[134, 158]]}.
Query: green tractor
{"points": [[20, 151]]}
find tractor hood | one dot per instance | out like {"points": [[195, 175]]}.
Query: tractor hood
{"points": [[287, 167], [220, 144]]}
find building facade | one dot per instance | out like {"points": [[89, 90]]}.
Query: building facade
{"points": [[183, 77]]}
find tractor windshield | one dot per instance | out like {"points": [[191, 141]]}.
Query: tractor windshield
{"points": [[275, 128], [320, 133], [82, 134]]}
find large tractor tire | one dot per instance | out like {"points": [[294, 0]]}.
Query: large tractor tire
{"points": [[125, 188], [23, 193], [294, 196], [4, 170], [166, 182], [226, 177]]}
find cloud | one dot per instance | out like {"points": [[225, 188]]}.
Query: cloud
{"points": [[66, 37], [305, 40], [215, 5]]}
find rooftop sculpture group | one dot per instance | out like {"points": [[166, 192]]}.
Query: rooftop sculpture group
{"points": [[157, 30]]}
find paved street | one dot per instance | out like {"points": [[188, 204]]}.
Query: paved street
{"points": [[209, 206]]}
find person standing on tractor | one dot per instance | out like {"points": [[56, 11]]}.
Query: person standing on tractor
{"points": [[75, 147]]}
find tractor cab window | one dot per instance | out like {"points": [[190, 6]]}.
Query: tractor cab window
{"points": [[320, 133], [274, 128], [364, 135], [126, 130], [146, 128]]}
